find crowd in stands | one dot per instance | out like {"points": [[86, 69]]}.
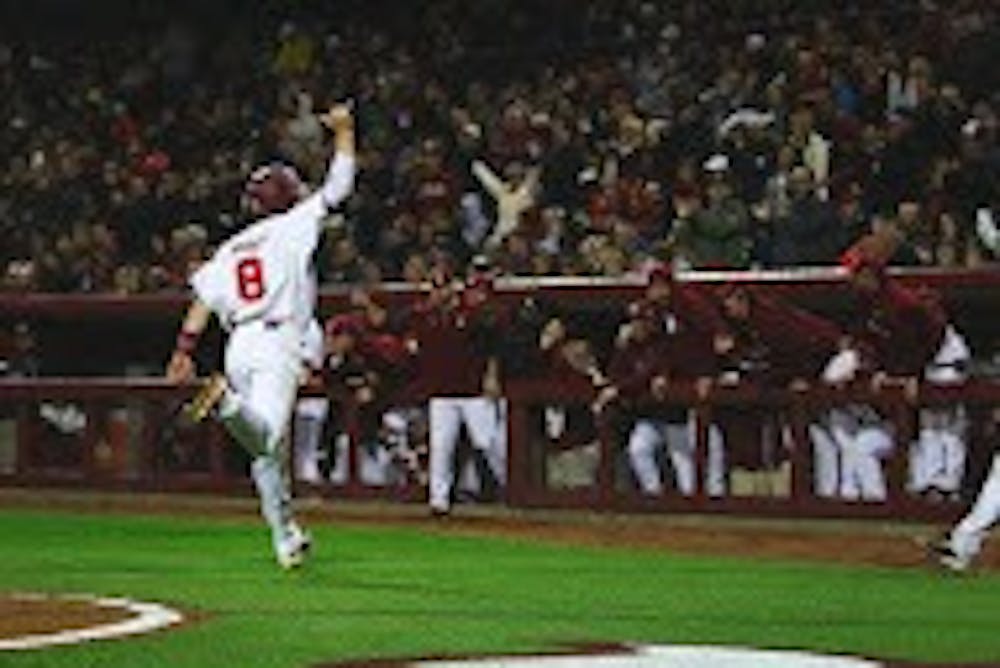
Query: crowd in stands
{"points": [[558, 138]]}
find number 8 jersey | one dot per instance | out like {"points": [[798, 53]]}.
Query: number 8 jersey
{"points": [[265, 272]]}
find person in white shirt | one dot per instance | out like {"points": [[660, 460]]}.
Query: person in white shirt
{"points": [[261, 284], [514, 195]]}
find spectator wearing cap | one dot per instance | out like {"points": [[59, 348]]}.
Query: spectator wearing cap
{"points": [[719, 234]]}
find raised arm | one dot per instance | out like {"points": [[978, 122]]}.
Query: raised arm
{"points": [[486, 176], [530, 183], [340, 176]]}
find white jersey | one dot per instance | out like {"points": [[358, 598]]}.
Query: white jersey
{"points": [[265, 272]]}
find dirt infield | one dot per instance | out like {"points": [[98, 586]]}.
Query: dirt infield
{"points": [[868, 542], [22, 615], [30, 621]]}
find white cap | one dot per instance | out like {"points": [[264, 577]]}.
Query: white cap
{"points": [[716, 163], [842, 367]]}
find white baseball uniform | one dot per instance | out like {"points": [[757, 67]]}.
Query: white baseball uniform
{"points": [[937, 458], [966, 539], [262, 285]]}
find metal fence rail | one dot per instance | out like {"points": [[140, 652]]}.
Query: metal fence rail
{"points": [[121, 433]]}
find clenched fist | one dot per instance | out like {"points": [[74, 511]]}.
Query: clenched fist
{"points": [[181, 368], [338, 118]]}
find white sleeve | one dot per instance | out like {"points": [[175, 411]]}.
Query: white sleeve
{"points": [[208, 286], [527, 189], [303, 220], [491, 182], [339, 180]]}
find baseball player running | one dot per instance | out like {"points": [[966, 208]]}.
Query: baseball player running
{"points": [[262, 286], [959, 548]]}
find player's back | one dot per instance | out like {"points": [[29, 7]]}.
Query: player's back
{"points": [[263, 272]]}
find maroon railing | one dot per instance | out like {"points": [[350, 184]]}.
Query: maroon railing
{"points": [[129, 440]]}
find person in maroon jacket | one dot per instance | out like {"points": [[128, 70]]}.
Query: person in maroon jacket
{"points": [[777, 343], [458, 368], [911, 336], [366, 363], [670, 336]]}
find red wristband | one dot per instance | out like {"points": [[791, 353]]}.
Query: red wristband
{"points": [[186, 342]]}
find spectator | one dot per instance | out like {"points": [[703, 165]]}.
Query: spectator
{"points": [[514, 194], [126, 129], [717, 235], [810, 233]]}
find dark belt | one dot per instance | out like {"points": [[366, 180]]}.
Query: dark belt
{"points": [[269, 323]]}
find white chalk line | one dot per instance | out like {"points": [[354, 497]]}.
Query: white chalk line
{"points": [[667, 656], [146, 617]]}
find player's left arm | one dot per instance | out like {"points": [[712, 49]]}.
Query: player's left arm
{"points": [[181, 367], [304, 221], [339, 180]]}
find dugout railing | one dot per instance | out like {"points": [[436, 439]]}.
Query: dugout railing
{"points": [[91, 429], [118, 433]]}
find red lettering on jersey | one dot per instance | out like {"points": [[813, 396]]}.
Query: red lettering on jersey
{"points": [[250, 278]]}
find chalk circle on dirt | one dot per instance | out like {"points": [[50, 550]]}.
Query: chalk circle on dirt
{"points": [[34, 621], [667, 656]]}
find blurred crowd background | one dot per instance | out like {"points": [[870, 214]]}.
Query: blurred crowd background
{"points": [[557, 138]]}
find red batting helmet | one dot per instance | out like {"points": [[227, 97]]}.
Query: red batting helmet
{"points": [[273, 188]]}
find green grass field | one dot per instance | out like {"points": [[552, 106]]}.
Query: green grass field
{"points": [[378, 591]]}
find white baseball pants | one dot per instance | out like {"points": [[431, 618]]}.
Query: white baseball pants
{"points": [[262, 369], [486, 425], [650, 435], [937, 458]]}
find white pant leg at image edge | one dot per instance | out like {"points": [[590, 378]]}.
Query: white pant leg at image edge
{"points": [[968, 535]]}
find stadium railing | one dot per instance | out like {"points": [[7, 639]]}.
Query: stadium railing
{"points": [[121, 432]]}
